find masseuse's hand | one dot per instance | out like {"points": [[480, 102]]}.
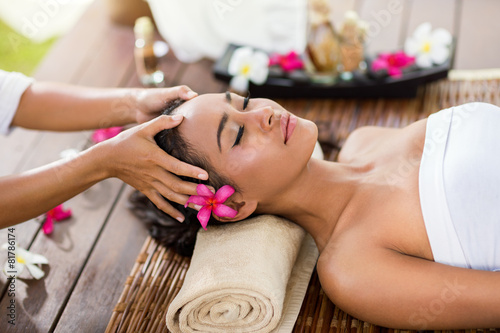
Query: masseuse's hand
{"points": [[134, 157], [151, 102]]}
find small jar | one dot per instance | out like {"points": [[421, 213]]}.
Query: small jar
{"points": [[146, 62], [352, 36]]}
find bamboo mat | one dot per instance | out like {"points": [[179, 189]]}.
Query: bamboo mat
{"points": [[158, 273]]}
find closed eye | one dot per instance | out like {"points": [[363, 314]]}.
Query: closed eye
{"points": [[241, 130], [239, 135], [245, 101]]}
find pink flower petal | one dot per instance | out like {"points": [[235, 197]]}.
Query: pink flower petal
{"points": [[379, 64], [203, 190], [204, 215], [394, 63], [224, 211], [402, 60], [48, 225], [384, 56], [197, 200], [98, 136], [292, 55], [59, 214], [395, 72], [223, 193], [291, 65], [287, 62], [105, 133], [275, 59]]}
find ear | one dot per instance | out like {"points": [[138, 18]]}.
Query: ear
{"points": [[245, 208]]}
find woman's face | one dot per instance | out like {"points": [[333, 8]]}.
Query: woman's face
{"points": [[260, 146]]}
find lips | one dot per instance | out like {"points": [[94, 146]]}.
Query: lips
{"points": [[288, 122]]}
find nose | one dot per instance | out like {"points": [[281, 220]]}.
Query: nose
{"points": [[265, 117]]}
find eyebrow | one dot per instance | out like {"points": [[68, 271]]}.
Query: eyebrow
{"points": [[223, 121]]}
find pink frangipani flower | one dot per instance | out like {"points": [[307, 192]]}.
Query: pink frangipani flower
{"points": [[55, 214], [394, 63], [212, 203], [287, 62], [103, 134]]}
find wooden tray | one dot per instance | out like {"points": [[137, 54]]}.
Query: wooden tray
{"points": [[368, 85]]}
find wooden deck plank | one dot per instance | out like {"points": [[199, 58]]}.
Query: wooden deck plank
{"points": [[37, 148], [15, 149], [477, 45], [113, 64], [39, 302], [26, 149], [47, 150], [101, 283], [71, 244]]}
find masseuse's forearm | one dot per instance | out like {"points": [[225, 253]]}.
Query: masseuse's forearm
{"points": [[61, 107], [36, 191]]}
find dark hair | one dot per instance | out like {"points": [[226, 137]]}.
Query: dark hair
{"points": [[162, 227]]}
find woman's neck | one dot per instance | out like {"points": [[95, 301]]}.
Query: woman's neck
{"points": [[317, 200]]}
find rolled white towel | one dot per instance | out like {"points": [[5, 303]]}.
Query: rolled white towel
{"points": [[237, 278]]}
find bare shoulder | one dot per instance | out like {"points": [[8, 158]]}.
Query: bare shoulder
{"points": [[364, 139], [368, 138]]}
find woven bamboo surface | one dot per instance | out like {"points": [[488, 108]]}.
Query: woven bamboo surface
{"points": [[158, 273]]}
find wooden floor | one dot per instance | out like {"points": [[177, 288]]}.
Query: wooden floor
{"points": [[92, 254]]}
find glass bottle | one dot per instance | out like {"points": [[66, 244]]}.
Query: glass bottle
{"points": [[323, 44], [146, 62]]}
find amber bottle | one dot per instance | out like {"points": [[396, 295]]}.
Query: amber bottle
{"points": [[145, 59]]}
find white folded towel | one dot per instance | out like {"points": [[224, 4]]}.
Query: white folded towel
{"points": [[199, 28]]}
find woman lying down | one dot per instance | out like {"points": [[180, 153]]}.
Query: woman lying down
{"points": [[405, 221]]}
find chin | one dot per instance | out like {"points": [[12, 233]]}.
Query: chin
{"points": [[306, 137], [309, 134]]}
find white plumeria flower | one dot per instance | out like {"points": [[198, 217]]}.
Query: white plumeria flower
{"points": [[428, 46], [24, 258], [247, 65]]}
